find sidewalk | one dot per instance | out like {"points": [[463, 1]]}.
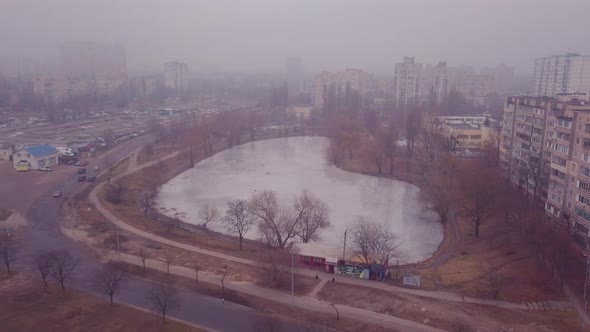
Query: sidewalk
{"points": [[439, 295], [305, 302]]}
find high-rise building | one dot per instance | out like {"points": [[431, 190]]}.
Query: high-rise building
{"points": [[441, 84], [337, 83], [569, 73], [503, 76], [93, 60], [545, 149], [407, 83], [176, 77], [293, 75]]}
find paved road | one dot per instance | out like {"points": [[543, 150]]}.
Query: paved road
{"points": [[43, 233]]}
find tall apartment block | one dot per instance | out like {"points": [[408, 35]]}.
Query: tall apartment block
{"points": [[558, 74], [176, 77], [545, 150], [407, 82]]}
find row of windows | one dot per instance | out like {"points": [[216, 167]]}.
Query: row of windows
{"points": [[559, 161], [582, 213], [584, 186], [584, 200]]}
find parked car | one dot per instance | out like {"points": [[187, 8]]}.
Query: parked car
{"points": [[91, 179], [70, 162], [57, 194], [96, 168], [81, 178], [78, 163], [45, 169], [81, 170]]}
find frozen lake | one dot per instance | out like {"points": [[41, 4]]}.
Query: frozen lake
{"points": [[289, 165]]}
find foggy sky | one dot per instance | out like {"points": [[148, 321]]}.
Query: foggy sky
{"points": [[257, 35]]}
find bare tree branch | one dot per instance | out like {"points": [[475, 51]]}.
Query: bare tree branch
{"points": [[208, 214], [8, 250], [64, 266], [163, 299], [108, 281], [237, 218]]}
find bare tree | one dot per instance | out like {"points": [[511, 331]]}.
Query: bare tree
{"points": [[276, 226], [221, 277], [207, 214], [439, 194], [44, 262], [64, 266], [144, 254], [237, 218], [312, 216], [108, 281], [163, 299], [8, 250], [460, 326], [373, 242], [196, 267], [169, 258], [479, 187], [114, 192], [493, 279]]}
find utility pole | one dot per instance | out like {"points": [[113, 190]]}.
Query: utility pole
{"points": [[586, 281], [292, 284], [344, 247]]}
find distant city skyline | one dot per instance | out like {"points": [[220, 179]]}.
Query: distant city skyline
{"points": [[257, 35]]}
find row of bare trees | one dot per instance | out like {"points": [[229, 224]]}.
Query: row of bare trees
{"points": [[277, 225]]}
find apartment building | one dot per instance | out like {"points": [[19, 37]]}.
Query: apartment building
{"points": [[569, 73], [176, 76], [545, 149], [407, 83], [357, 80]]}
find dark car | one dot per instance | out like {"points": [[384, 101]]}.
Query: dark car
{"points": [[81, 170], [82, 178], [91, 179]]}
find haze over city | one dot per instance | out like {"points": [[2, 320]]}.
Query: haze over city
{"points": [[256, 35], [270, 165]]}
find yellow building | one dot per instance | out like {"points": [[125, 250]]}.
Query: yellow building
{"points": [[469, 136]]}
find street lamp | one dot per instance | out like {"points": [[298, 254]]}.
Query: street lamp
{"points": [[292, 275]]}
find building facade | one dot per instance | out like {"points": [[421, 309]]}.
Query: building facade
{"points": [[558, 74], [36, 157], [545, 149], [334, 85], [176, 76], [407, 83]]}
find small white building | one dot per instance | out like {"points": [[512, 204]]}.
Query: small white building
{"points": [[35, 157], [6, 150]]}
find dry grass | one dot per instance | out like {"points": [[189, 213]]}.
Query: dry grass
{"points": [[158, 152], [25, 305], [445, 314], [265, 306]]}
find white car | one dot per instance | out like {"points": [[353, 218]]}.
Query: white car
{"points": [[45, 169], [96, 168], [57, 194]]}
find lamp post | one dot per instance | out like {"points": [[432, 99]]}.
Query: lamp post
{"points": [[292, 284], [344, 247]]}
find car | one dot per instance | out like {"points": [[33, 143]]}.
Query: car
{"points": [[81, 170], [57, 194], [81, 178], [78, 163], [45, 169], [96, 168], [91, 179], [83, 163], [70, 162]]}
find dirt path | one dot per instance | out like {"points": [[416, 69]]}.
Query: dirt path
{"points": [[305, 302], [439, 295]]}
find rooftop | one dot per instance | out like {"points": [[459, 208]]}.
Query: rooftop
{"points": [[40, 150]]}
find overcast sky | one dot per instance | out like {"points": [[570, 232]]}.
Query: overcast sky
{"points": [[257, 35]]}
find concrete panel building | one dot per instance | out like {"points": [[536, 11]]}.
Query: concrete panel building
{"points": [[176, 77], [407, 83], [558, 74]]}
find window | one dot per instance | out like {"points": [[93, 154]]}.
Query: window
{"points": [[559, 161], [587, 128], [584, 200], [475, 136], [555, 198], [565, 123], [563, 136], [583, 214], [584, 186]]}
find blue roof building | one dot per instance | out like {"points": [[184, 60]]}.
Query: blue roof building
{"points": [[35, 157], [41, 150]]}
